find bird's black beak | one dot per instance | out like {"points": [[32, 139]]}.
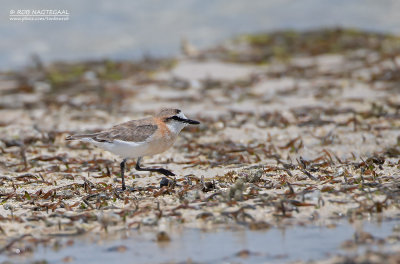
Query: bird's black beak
{"points": [[191, 122]]}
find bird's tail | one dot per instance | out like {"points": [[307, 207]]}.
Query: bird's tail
{"points": [[77, 137]]}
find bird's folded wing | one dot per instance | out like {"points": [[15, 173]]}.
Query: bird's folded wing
{"points": [[129, 131]]}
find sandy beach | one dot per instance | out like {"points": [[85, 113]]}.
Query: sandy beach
{"points": [[305, 138]]}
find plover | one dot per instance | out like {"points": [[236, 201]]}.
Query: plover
{"points": [[138, 138]]}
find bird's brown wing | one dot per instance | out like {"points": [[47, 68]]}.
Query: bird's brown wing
{"points": [[133, 131]]}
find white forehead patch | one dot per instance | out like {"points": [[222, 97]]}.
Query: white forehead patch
{"points": [[181, 115]]}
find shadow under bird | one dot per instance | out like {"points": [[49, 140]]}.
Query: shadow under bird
{"points": [[138, 138]]}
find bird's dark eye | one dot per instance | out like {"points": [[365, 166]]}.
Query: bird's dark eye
{"points": [[172, 118]]}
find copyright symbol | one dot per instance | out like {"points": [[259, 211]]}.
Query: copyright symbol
{"points": [[12, 12]]}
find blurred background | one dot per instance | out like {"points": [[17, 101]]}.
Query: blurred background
{"points": [[128, 29], [299, 103]]}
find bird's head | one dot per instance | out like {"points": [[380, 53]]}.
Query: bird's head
{"points": [[175, 119]]}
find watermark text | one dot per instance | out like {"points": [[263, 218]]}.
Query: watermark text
{"points": [[39, 15]]}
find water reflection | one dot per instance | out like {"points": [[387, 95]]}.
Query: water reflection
{"points": [[216, 246]]}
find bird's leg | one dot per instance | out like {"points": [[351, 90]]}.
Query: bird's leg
{"points": [[159, 170], [122, 165]]}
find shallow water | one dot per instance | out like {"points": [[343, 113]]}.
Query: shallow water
{"points": [[127, 29], [220, 246]]}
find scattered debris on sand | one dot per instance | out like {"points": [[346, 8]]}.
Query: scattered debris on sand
{"points": [[296, 129]]}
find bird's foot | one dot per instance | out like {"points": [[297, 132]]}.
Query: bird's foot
{"points": [[167, 182]]}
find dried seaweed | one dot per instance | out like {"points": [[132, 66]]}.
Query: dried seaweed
{"points": [[318, 144]]}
